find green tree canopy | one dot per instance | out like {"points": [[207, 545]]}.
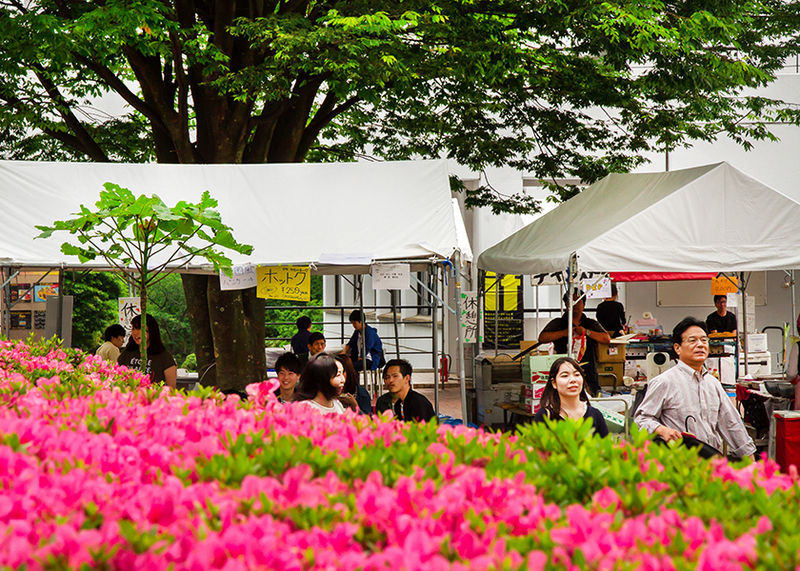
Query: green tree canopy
{"points": [[559, 88], [556, 88]]}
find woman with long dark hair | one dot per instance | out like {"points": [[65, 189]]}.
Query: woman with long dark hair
{"points": [[565, 397], [161, 367], [321, 383], [353, 395]]}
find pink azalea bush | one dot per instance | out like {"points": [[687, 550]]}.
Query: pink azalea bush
{"points": [[101, 470]]}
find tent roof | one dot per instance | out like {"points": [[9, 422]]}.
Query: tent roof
{"points": [[290, 213], [705, 219]]}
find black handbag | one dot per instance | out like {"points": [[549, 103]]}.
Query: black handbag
{"points": [[689, 440]]}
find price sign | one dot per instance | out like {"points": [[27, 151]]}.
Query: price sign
{"points": [[284, 282], [724, 285], [593, 287]]}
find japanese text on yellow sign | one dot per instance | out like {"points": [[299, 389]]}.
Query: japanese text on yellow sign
{"points": [[723, 285], [284, 282]]}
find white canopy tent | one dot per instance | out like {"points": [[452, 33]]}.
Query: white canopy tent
{"points": [[711, 218], [289, 213], [703, 219]]}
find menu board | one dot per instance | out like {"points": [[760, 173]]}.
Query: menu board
{"points": [[20, 319]]}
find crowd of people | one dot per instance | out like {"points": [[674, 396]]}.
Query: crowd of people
{"points": [[307, 374], [330, 383]]}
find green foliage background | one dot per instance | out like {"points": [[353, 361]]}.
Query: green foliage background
{"points": [[95, 306], [275, 315]]}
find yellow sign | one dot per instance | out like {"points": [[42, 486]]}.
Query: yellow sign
{"points": [[284, 282], [723, 285]]}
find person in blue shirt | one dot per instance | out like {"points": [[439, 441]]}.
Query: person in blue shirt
{"points": [[300, 339], [374, 346]]}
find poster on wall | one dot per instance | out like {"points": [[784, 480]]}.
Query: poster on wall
{"points": [[39, 319], [43, 291], [21, 292], [20, 319], [504, 302]]}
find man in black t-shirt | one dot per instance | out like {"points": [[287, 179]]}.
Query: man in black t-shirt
{"points": [[557, 330], [611, 314], [410, 405], [721, 320]]}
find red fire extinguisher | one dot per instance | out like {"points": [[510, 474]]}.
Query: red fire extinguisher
{"points": [[444, 366]]}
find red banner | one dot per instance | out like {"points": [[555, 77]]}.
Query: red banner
{"points": [[660, 276]]}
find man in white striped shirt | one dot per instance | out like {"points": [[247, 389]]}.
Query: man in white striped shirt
{"points": [[688, 398]]}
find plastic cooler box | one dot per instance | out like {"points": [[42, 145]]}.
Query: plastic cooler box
{"points": [[787, 439]]}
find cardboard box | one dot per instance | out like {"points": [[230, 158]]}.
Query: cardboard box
{"points": [[613, 353], [604, 369]]}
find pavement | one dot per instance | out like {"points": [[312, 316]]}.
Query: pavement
{"points": [[449, 396]]}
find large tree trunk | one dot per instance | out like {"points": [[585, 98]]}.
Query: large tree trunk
{"points": [[228, 330], [195, 290]]}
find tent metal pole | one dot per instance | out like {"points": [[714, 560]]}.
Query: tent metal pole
{"points": [[743, 287], [794, 309], [434, 341], [460, 334], [5, 326], [60, 317], [498, 278], [394, 293], [570, 280], [363, 331]]}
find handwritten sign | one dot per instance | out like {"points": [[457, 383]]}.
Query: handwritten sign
{"points": [[724, 285], [391, 276], [470, 312], [242, 277], [129, 307], [284, 282], [597, 287]]}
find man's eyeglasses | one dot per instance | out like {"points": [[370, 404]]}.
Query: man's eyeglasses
{"points": [[696, 340]]}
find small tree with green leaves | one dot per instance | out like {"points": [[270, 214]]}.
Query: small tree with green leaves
{"points": [[145, 240]]}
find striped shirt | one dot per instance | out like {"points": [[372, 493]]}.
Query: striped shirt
{"points": [[688, 401]]}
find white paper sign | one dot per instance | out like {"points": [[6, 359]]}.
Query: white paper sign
{"points": [[391, 276], [470, 313], [242, 277], [597, 287], [733, 300], [129, 307], [354, 259]]}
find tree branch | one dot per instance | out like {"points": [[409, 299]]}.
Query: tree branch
{"points": [[92, 149]]}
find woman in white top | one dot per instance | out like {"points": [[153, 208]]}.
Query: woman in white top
{"points": [[321, 383]]}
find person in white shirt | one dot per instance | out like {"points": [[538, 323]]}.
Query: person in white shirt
{"points": [[686, 398], [114, 337], [321, 383]]}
